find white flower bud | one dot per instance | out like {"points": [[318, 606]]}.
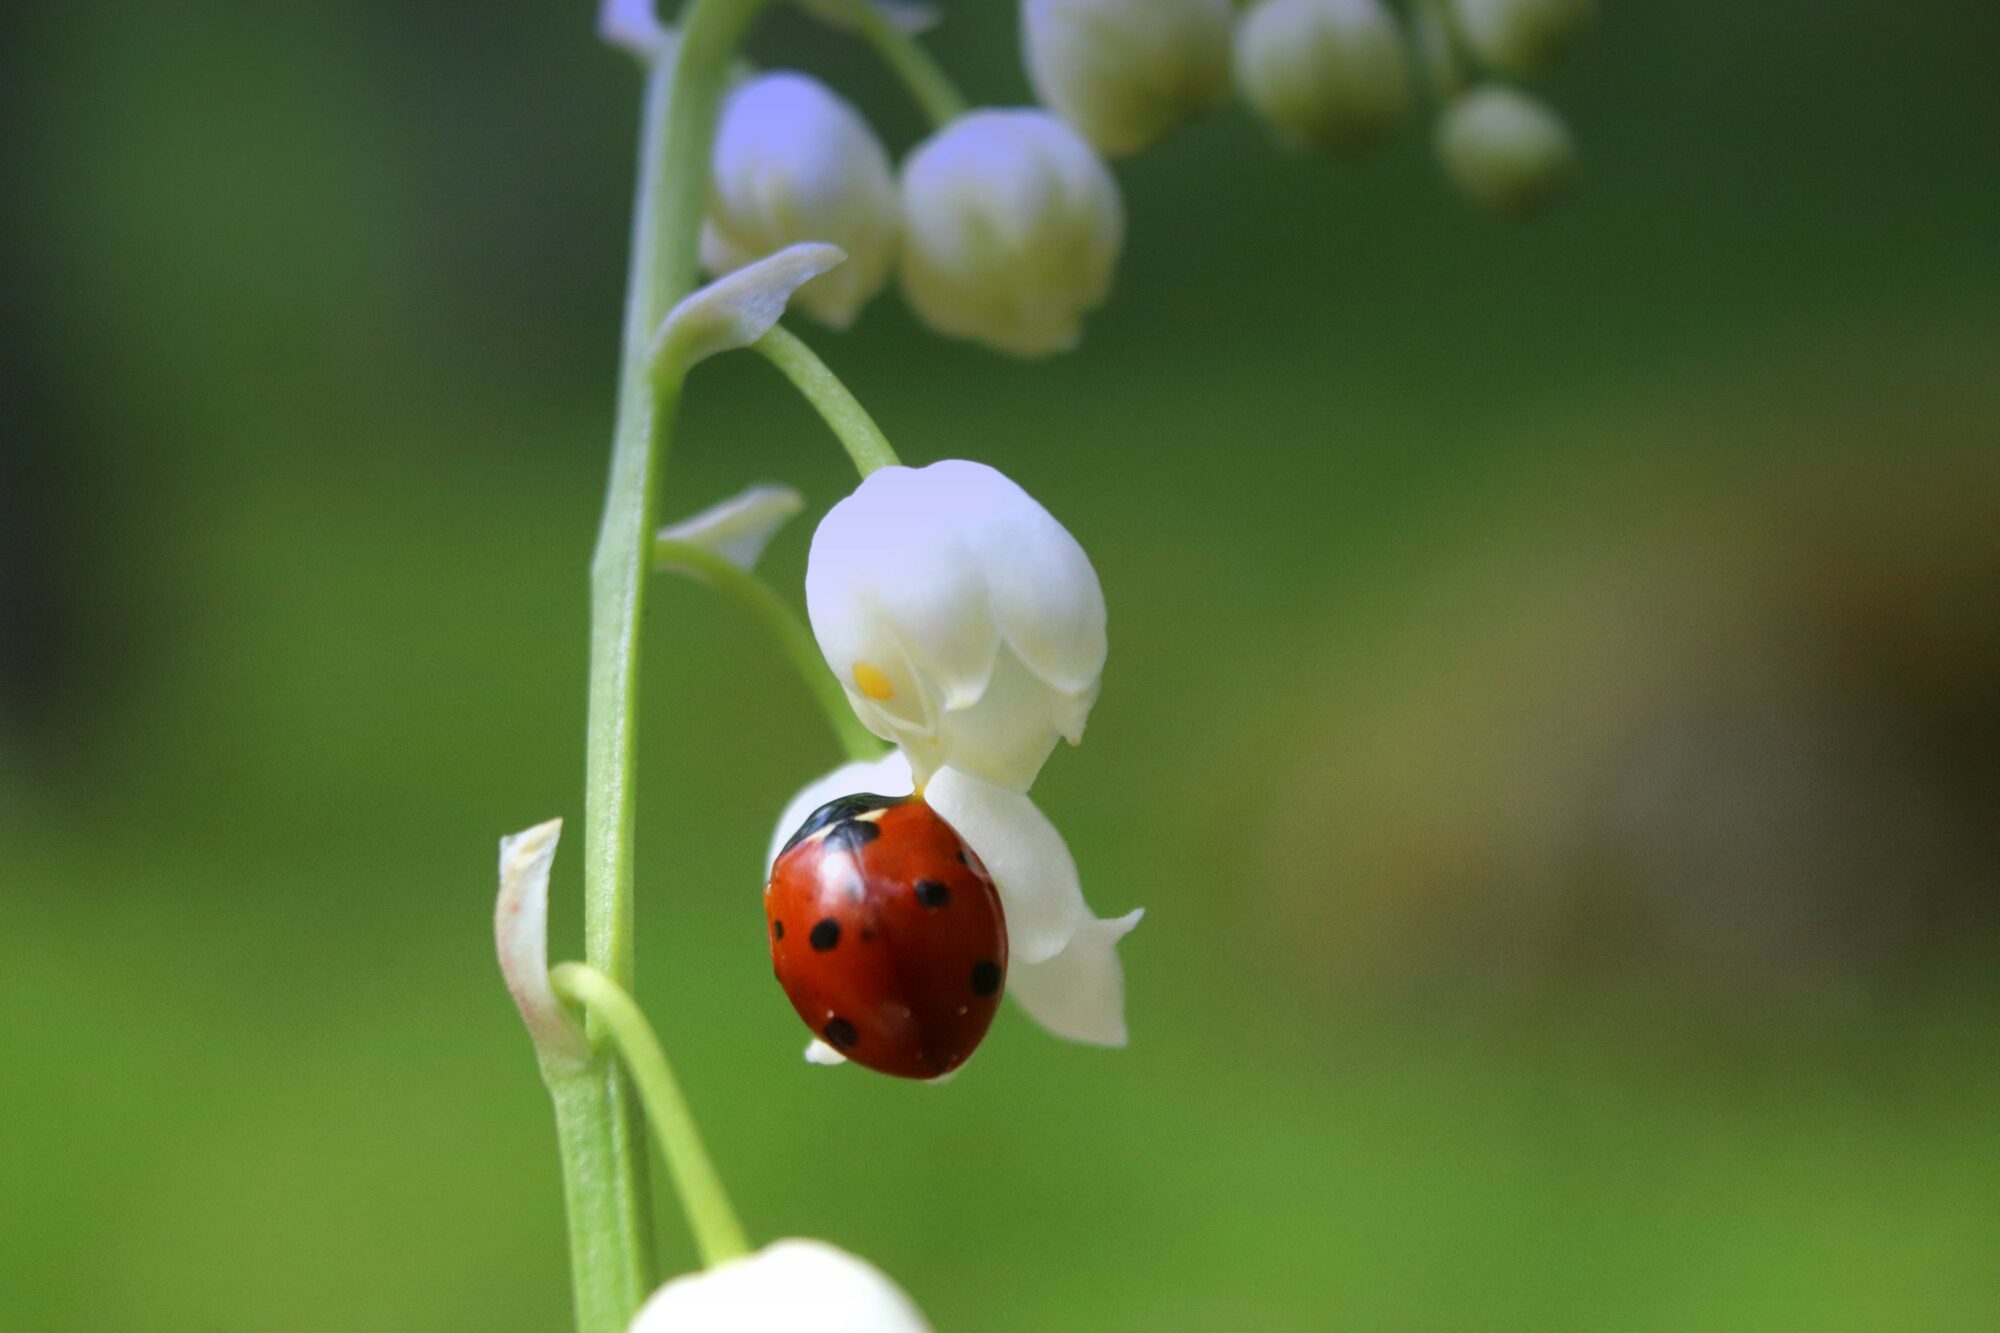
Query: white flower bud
{"points": [[1012, 230], [1524, 36], [1125, 72], [786, 1287], [964, 622], [1327, 74], [796, 163], [1505, 151], [1062, 960]]}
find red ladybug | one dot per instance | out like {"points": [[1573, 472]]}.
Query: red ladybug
{"points": [[887, 935]]}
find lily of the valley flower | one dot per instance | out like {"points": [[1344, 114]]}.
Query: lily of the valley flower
{"points": [[964, 622], [1126, 71], [796, 163], [1523, 36], [1012, 228], [1062, 959], [789, 1286], [1326, 74], [1505, 151]]}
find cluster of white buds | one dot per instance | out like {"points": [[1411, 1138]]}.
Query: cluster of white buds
{"points": [[1007, 223], [1006, 226], [1335, 75]]}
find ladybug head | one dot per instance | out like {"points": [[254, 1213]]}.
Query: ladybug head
{"points": [[840, 810]]}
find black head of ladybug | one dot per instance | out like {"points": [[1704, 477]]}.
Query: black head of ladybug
{"points": [[840, 811]]}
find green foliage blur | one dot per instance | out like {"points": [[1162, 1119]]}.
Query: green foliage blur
{"points": [[1553, 718]]}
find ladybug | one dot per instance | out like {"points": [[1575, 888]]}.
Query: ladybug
{"points": [[887, 935]]}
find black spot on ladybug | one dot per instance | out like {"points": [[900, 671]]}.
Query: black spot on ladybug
{"points": [[777, 930], [932, 894], [837, 811], [963, 859], [852, 836], [985, 978], [824, 935], [840, 1033]]}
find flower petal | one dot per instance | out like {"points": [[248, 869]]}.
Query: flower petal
{"points": [[893, 553], [1080, 993], [785, 1287], [1030, 864], [819, 1053]]}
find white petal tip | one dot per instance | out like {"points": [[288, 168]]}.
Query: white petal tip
{"points": [[819, 1053], [739, 528], [1079, 994], [736, 310]]}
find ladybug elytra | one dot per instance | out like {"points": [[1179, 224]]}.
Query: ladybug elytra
{"points": [[887, 935]]}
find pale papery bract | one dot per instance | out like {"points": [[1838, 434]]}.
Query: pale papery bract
{"points": [[965, 623], [789, 1286], [1063, 959]]}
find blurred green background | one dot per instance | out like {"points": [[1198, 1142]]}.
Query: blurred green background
{"points": [[1553, 717]]}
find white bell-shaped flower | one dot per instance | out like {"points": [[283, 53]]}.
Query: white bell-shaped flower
{"points": [[1505, 151], [1524, 36], [789, 1286], [1062, 959], [1012, 229], [1125, 72], [964, 622], [1326, 74], [795, 163]]}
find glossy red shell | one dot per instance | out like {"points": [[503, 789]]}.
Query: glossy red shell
{"points": [[887, 935]]}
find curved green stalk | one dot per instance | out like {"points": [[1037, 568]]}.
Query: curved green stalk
{"points": [[842, 412], [604, 1158], [928, 84], [794, 638], [718, 1236]]}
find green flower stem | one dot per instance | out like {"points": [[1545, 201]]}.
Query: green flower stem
{"points": [[604, 1158], [841, 411], [718, 1236], [794, 638], [906, 57]]}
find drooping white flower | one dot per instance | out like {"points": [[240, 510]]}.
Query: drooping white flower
{"points": [[789, 1286], [793, 163], [1505, 151], [1062, 959], [1327, 74], [964, 622], [1524, 36], [1125, 72], [1012, 229]]}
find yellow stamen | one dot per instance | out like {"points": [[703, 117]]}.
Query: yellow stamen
{"points": [[871, 682]]}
